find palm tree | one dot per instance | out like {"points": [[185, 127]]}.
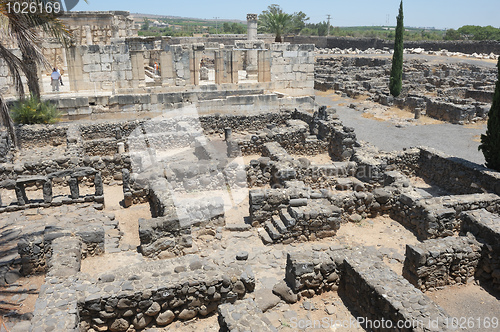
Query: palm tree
{"points": [[276, 21], [24, 30]]}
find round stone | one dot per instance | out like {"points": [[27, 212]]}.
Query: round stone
{"points": [[119, 325], [242, 256], [165, 318]]}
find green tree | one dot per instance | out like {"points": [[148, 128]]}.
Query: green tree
{"points": [[396, 80], [452, 34], [146, 24], [322, 28], [238, 28], [490, 142], [275, 20], [298, 22]]}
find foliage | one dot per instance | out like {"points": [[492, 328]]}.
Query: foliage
{"points": [[473, 32], [275, 20], [480, 33], [490, 142], [146, 24], [396, 80], [234, 28], [298, 22], [32, 111], [452, 34]]}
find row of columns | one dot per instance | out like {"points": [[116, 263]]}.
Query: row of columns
{"points": [[20, 184]]}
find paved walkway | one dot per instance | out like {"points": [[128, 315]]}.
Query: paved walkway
{"points": [[456, 140]]}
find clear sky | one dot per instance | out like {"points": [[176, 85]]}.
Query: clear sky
{"points": [[417, 13]]}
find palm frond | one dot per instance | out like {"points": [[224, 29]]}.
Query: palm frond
{"points": [[7, 120], [15, 66]]}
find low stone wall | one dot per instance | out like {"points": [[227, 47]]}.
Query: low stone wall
{"points": [[5, 147], [454, 113], [109, 166], [379, 294], [294, 137], [36, 249], [439, 262], [163, 234], [468, 47], [374, 291], [456, 175], [310, 273], [439, 216], [180, 289], [33, 136], [486, 227], [266, 203]]}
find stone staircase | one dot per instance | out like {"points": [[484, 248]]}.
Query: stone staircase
{"points": [[301, 222]]}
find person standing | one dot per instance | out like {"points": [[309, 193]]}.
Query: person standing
{"points": [[55, 76], [60, 75]]}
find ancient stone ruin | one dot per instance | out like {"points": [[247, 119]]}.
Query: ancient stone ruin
{"points": [[219, 199]]}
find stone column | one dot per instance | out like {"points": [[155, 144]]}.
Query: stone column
{"points": [[127, 193], [88, 36], [22, 199], [264, 66], [138, 73], [227, 134], [73, 187], [252, 54], [126, 180], [99, 190], [234, 66], [74, 58], [167, 68], [194, 66], [219, 67], [47, 191], [252, 26], [418, 112]]}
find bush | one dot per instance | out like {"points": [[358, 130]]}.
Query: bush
{"points": [[32, 111]]}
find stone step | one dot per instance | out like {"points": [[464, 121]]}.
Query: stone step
{"points": [[271, 230], [287, 218], [264, 236], [279, 224]]}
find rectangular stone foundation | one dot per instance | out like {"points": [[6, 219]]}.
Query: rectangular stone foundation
{"points": [[378, 293], [486, 228], [439, 262]]}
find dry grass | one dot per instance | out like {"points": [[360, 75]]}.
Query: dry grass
{"points": [[368, 115], [329, 94], [476, 125]]}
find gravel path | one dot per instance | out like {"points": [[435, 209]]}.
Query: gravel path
{"points": [[455, 140]]}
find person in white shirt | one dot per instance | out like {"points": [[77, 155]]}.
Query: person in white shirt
{"points": [[55, 76]]}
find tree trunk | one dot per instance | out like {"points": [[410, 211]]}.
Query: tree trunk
{"points": [[32, 75]]}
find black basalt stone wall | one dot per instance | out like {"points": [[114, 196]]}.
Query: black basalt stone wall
{"points": [[463, 46]]}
